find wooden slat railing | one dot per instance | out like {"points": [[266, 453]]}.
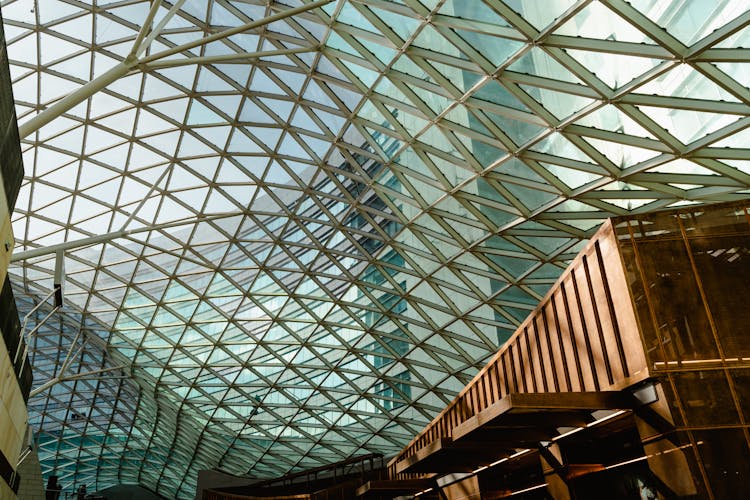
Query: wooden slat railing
{"points": [[583, 336]]}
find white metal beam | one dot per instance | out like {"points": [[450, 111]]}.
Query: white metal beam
{"points": [[103, 238], [132, 62], [233, 31], [95, 374], [140, 49], [146, 26], [238, 58]]}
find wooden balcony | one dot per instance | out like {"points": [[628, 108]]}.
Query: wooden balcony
{"points": [[570, 357], [516, 421]]}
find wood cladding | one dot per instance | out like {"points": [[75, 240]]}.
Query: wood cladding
{"points": [[582, 337]]}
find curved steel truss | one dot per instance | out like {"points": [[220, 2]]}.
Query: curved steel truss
{"points": [[293, 231]]}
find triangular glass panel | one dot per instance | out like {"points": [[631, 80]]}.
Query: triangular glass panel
{"points": [[688, 125], [520, 132], [54, 9], [78, 67], [540, 17], [616, 70], [134, 14], [241, 143], [538, 63], [571, 177], [158, 89], [78, 27], [208, 81], [610, 118], [559, 104], [53, 87], [596, 21], [200, 114], [622, 155], [692, 22], [684, 81], [496, 50]]}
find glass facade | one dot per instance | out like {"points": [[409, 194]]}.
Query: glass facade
{"points": [[688, 277], [291, 243]]}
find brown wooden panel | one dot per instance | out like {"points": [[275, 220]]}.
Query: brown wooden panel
{"points": [[609, 336], [593, 319], [473, 399], [478, 394], [567, 350], [507, 372], [548, 375], [543, 410], [581, 338], [517, 373], [487, 387], [627, 322], [534, 351], [553, 336], [494, 382], [545, 344], [597, 359], [393, 487], [603, 271], [446, 456], [529, 378], [577, 352], [581, 331]]}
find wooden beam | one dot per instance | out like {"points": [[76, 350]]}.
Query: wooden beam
{"points": [[542, 411], [394, 487], [446, 456]]}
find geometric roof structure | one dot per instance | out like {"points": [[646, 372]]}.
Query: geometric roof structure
{"points": [[290, 241]]}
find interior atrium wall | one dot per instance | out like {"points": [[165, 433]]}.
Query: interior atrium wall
{"points": [[15, 369], [296, 242]]}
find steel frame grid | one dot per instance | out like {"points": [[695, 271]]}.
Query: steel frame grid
{"points": [[305, 256]]}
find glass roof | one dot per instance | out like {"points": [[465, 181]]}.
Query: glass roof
{"points": [[291, 242]]}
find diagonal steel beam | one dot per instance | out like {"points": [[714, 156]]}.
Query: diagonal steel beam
{"points": [[239, 58], [139, 48], [234, 31], [132, 62], [146, 26], [123, 233]]}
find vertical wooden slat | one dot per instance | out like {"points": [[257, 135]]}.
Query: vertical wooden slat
{"points": [[488, 379], [478, 397], [511, 379], [527, 363], [581, 327], [562, 379], [598, 342], [532, 365], [554, 372], [540, 360], [627, 323], [567, 341], [576, 347], [473, 403], [612, 310], [517, 373], [506, 358], [495, 381], [603, 301], [482, 383]]}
